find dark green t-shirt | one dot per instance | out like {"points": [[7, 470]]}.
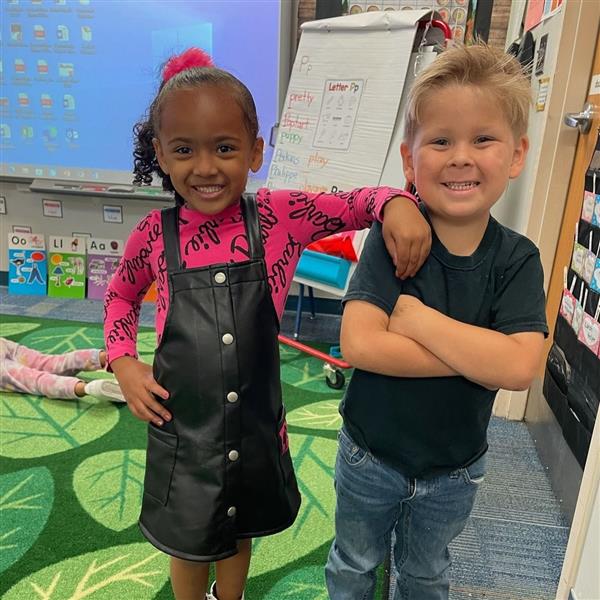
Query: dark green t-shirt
{"points": [[429, 425]]}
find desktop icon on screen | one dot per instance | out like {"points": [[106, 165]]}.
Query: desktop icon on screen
{"points": [[66, 70], [19, 65], [4, 131], [50, 134], [72, 135], [39, 33], [23, 99], [42, 66], [86, 33], [4, 101], [16, 32], [62, 33], [46, 101], [27, 132], [68, 102]]}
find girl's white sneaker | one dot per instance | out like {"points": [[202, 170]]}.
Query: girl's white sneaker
{"points": [[105, 389], [211, 595]]}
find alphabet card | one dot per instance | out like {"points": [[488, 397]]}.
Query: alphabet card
{"points": [[66, 267], [103, 256], [27, 272]]}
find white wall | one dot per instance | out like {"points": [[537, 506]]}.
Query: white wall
{"points": [[514, 207], [587, 584], [81, 214]]}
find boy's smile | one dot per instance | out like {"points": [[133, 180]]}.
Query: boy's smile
{"points": [[205, 148], [463, 154]]}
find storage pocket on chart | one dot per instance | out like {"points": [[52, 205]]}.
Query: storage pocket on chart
{"points": [[160, 463]]}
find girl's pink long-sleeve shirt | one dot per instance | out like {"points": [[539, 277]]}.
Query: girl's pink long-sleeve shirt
{"points": [[290, 220]]}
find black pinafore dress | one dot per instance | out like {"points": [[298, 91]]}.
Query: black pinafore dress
{"points": [[221, 469]]}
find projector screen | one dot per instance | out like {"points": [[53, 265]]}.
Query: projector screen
{"points": [[77, 74]]}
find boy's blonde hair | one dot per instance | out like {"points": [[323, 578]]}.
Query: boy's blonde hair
{"points": [[479, 66]]}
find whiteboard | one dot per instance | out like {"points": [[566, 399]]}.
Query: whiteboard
{"points": [[342, 101], [341, 118]]}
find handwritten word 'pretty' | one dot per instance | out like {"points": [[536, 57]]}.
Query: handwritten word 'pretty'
{"points": [[300, 98]]}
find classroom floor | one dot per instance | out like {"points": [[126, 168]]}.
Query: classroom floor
{"points": [[512, 548]]}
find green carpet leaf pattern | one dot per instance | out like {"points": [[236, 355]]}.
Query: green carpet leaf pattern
{"points": [[26, 499], [301, 584], [314, 462], [58, 340], [135, 571], [146, 342], [109, 486], [304, 373], [319, 415], [83, 543], [10, 328], [32, 426]]}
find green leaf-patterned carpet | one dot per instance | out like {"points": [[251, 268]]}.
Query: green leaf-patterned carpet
{"points": [[71, 477]]}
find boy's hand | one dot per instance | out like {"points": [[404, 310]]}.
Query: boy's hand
{"points": [[139, 386], [406, 234], [405, 315]]}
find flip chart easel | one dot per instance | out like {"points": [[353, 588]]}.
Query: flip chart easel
{"points": [[341, 115]]}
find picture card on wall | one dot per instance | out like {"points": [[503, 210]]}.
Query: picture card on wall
{"points": [[27, 271], [103, 256], [66, 267]]}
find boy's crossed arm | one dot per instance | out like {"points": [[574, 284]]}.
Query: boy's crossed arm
{"points": [[368, 344], [418, 341]]}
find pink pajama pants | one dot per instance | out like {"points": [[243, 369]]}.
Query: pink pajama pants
{"points": [[31, 372]]}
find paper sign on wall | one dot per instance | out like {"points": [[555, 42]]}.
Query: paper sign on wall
{"points": [[66, 267], [103, 256], [27, 271]]}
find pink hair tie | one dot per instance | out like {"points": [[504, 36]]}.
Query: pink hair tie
{"points": [[194, 57]]}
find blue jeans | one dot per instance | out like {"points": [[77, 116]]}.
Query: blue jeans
{"points": [[374, 499]]}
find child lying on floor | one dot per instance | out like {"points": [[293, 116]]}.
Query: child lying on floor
{"points": [[28, 371]]}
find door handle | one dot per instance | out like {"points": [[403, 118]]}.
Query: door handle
{"points": [[582, 120]]}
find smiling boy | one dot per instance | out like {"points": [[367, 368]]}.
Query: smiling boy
{"points": [[430, 352]]}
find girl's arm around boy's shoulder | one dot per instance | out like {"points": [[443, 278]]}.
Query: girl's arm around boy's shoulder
{"points": [[312, 216]]}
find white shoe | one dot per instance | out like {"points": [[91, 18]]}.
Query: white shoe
{"points": [[105, 389], [211, 594]]}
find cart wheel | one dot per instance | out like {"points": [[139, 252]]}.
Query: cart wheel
{"points": [[335, 379]]}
